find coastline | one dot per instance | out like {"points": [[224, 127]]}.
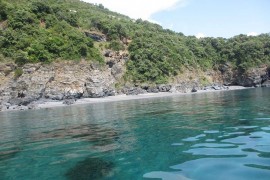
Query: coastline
{"points": [[48, 104], [53, 104]]}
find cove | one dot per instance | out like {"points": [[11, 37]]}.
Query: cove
{"points": [[218, 135]]}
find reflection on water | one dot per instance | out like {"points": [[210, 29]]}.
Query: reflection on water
{"points": [[223, 135], [99, 136], [8, 153]]}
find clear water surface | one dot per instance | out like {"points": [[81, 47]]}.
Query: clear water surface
{"points": [[221, 135]]}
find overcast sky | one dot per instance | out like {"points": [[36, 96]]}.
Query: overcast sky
{"points": [[217, 18]]}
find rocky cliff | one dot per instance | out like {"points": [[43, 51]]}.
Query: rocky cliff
{"points": [[21, 87]]}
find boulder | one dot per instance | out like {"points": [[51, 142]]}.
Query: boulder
{"points": [[164, 88], [110, 63], [145, 86], [109, 92], [194, 90], [133, 91], [96, 36], [153, 89]]}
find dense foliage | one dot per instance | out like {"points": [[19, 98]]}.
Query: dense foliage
{"points": [[45, 30], [157, 54], [38, 31]]}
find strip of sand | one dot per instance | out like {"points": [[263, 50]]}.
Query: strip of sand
{"points": [[52, 104]]}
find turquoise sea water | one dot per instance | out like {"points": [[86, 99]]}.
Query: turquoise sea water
{"points": [[221, 135]]}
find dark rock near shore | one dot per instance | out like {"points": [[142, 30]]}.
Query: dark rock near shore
{"points": [[69, 101], [164, 88], [194, 90], [145, 86], [22, 101], [133, 91], [153, 89]]}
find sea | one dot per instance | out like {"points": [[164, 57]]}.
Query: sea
{"points": [[218, 135]]}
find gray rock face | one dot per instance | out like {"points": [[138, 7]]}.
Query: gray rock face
{"points": [[96, 36], [266, 83], [254, 77], [164, 88], [153, 89], [133, 91], [57, 81], [68, 81], [216, 87], [228, 75]]}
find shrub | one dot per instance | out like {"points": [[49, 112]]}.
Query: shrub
{"points": [[18, 72], [116, 45]]}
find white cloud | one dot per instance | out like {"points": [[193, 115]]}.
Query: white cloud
{"points": [[139, 8], [252, 34], [200, 35]]}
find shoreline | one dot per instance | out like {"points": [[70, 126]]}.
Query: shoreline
{"points": [[124, 97], [48, 104]]}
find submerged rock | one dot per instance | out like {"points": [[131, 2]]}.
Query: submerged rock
{"points": [[90, 168]]}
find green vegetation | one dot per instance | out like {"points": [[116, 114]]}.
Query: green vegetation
{"points": [[39, 32], [157, 54], [45, 30], [18, 72]]}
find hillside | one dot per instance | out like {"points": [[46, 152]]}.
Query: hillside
{"points": [[44, 34]]}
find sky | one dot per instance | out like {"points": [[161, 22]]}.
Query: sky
{"points": [[201, 18]]}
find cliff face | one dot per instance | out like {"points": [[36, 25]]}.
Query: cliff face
{"points": [[57, 81], [254, 77], [71, 80]]}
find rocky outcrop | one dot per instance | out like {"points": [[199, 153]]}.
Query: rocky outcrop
{"points": [[96, 36], [69, 80], [254, 77], [56, 81]]}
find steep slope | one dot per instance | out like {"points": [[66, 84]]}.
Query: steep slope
{"points": [[71, 49]]}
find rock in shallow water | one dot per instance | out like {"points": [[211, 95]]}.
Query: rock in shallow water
{"points": [[90, 168]]}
